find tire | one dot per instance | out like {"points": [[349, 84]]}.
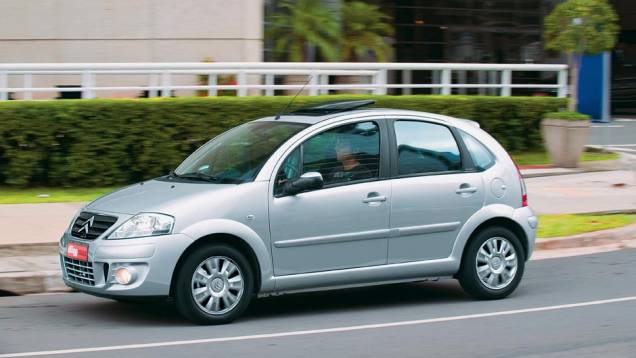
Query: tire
{"points": [[213, 303], [476, 281]]}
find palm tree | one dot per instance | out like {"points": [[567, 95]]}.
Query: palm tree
{"points": [[363, 29], [305, 23]]}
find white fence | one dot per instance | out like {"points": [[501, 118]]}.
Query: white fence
{"points": [[259, 78]]}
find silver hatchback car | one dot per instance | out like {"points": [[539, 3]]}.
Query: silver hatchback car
{"points": [[325, 197]]}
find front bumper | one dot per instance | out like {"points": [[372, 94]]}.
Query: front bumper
{"points": [[152, 259]]}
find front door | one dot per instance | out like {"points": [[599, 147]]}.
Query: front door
{"points": [[346, 223]]}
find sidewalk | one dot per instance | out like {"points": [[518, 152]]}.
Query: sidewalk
{"points": [[35, 223], [583, 193]]}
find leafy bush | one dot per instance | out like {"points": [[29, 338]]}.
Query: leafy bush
{"points": [[567, 115], [112, 142]]}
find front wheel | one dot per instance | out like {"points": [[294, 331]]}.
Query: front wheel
{"points": [[214, 285], [493, 264]]}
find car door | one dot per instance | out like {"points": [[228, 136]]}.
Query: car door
{"points": [[432, 192], [346, 223]]}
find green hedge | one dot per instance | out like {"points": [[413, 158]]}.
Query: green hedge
{"points": [[567, 115], [111, 142]]}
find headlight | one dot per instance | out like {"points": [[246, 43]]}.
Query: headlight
{"points": [[140, 225]]}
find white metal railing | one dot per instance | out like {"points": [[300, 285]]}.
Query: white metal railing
{"points": [[256, 78]]}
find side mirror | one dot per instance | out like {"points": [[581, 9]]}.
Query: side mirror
{"points": [[307, 181]]}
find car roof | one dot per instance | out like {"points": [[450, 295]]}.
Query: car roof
{"points": [[314, 119]]}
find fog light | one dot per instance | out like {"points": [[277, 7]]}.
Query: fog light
{"points": [[123, 276]]}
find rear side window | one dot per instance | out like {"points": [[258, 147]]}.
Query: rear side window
{"points": [[482, 157], [425, 148]]}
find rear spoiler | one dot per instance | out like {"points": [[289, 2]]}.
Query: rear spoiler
{"points": [[472, 123]]}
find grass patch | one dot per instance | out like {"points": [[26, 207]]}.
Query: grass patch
{"points": [[572, 224], [50, 195], [539, 158]]}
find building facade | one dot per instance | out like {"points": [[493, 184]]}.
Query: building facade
{"points": [[130, 30], [66, 31], [502, 31], [492, 31]]}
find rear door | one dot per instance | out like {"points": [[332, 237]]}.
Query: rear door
{"points": [[433, 192]]}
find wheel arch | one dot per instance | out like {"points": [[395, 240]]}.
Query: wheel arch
{"points": [[491, 215], [235, 234], [224, 238], [507, 223]]}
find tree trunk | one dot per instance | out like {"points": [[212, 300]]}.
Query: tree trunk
{"points": [[574, 82]]}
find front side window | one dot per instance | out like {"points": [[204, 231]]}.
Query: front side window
{"points": [[341, 155], [425, 148], [481, 156], [238, 155]]}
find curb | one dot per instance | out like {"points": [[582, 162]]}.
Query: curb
{"points": [[18, 280], [549, 174], [547, 170], [570, 171], [20, 283]]}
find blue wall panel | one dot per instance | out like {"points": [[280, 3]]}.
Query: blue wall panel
{"points": [[593, 86]]}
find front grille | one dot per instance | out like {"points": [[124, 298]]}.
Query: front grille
{"points": [[79, 271], [89, 225]]}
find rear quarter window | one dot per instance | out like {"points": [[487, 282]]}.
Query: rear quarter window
{"points": [[481, 156]]}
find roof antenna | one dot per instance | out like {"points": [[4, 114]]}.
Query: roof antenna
{"points": [[293, 99]]}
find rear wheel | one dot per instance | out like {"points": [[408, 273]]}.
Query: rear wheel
{"points": [[493, 264], [214, 285]]}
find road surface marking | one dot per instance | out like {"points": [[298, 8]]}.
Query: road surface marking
{"points": [[318, 331], [607, 126]]}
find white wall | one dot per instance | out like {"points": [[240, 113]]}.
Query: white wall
{"points": [[129, 31]]}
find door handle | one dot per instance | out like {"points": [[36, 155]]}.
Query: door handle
{"points": [[374, 198], [465, 189]]}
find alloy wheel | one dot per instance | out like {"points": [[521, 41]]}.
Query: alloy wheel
{"points": [[217, 285], [496, 263]]}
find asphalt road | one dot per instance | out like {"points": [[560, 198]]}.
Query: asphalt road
{"points": [[581, 306]]}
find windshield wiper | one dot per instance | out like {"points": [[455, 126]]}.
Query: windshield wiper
{"points": [[198, 175]]}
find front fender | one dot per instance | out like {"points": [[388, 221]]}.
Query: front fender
{"points": [[245, 233]]}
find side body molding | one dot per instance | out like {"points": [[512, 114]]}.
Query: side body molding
{"points": [[235, 228]]}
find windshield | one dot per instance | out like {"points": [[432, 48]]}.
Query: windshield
{"points": [[236, 156]]}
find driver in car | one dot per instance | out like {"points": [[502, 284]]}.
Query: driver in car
{"points": [[349, 167]]}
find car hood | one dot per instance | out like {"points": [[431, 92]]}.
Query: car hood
{"points": [[159, 195]]}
